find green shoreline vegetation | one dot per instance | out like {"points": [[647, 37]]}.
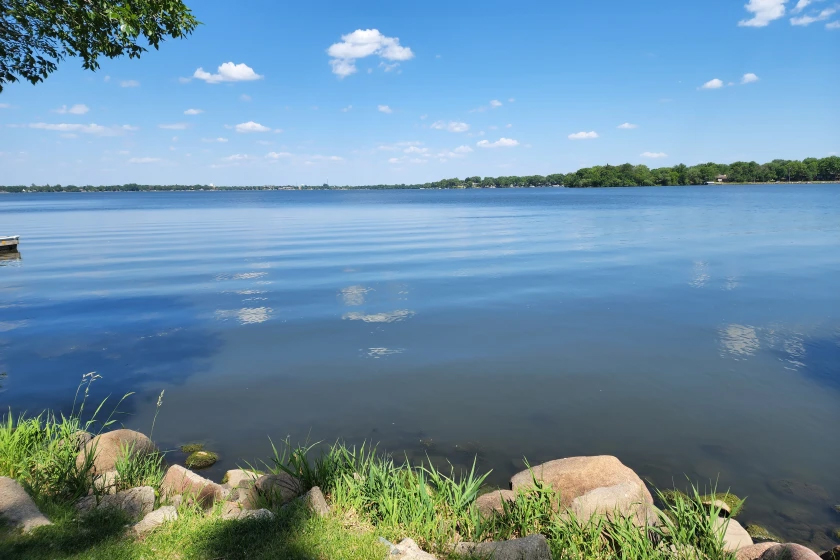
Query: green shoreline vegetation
{"points": [[627, 175], [372, 495]]}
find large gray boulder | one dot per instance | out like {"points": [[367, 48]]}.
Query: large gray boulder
{"points": [[137, 502], [493, 502], [181, 481], [108, 447], [735, 537], [622, 500], [789, 551], [754, 552], [17, 508], [154, 520], [575, 476], [278, 489], [599, 485], [534, 547], [240, 478]]}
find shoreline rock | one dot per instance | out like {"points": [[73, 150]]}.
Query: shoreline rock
{"points": [[180, 481], [136, 502], [18, 508], [107, 448]]}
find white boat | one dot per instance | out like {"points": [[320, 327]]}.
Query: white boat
{"points": [[9, 243]]}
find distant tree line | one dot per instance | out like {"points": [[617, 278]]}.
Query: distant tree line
{"points": [[627, 175]]}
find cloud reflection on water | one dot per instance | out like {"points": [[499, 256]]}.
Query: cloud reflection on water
{"points": [[391, 317], [246, 315], [354, 295], [739, 340]]}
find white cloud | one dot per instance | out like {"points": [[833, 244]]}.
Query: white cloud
{"points": [[78, 109], [219, 139], [508, 125], [238, 157], [5, 106], [174, 126], [451, 126], [500, 143], [251, 126], [654, 155], [511, 100], [463, 150], [801, 5], [228, 72], [494, 104], [764, 11], [833, 25], [92, 128], [245, 97], [346, 109], [394, 160], [361, 44], [808, 20], [627, 126], [278, 155], [712, 84], [415, 150], [144, 160], [385, 109], [749, 78], [193, 111], [583, 135], [129, 83]]}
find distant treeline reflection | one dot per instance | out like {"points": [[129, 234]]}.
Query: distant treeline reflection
{"points": [[627, 175]]}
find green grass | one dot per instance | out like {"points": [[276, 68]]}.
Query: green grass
{"points": [[372, 494]]}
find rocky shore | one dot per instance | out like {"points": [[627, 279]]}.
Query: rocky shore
{"points": [[589, 488]]}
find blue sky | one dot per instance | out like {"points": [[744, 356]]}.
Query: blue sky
{"points": [[387, 92]]}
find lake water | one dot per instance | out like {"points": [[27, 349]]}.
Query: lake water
{"points": [[689, 331]]}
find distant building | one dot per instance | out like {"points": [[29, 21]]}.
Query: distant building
{"points": [[721, 178]]}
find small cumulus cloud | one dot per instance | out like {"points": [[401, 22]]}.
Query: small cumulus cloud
{"points": [[495, 103], [346, 109], [219, 139], [749, 78], [654, 155], [806, 20], [251, 126], [385, 109], [238, 158], [833, 25], [193, 111], [228, 72], [78, 109], [763, 11], [278, 155], [363, 43], [451, 126], [712, 84], [628, 126], [174, 126], [92, 128], [500, 143], [144, 160], [583, 135], [415, 150], [129, 83], [245, 97], [463, 150]]}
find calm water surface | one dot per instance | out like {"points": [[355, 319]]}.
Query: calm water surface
{"points": [[688, 331]]}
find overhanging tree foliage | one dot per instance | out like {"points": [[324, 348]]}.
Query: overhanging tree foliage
{"points": [[35, 35]]}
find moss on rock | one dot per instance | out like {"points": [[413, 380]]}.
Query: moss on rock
{"points": [[201, 459], [759, 533], [191, 448], [735, 503]]}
